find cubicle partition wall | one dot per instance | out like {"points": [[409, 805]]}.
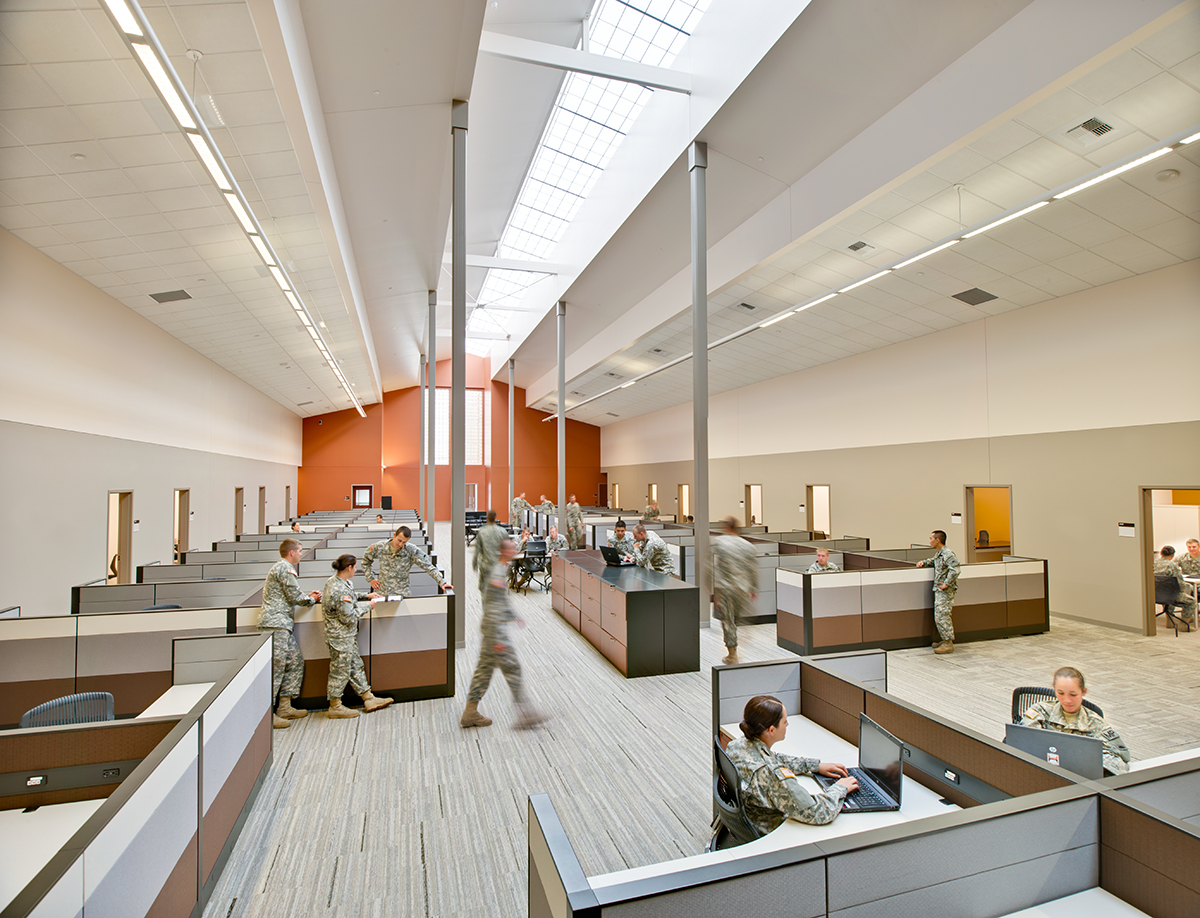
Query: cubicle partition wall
{"points": [[892, 608], [1044, 836], [154, 843]]}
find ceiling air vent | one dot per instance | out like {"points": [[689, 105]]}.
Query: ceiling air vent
{"points": [[170, 296], [1093, 130], [1089, 130], [611, 375], [861, 250], [745, 307], [657, 350], [302, 404], [613, 414], [975, 296], [580, 394]]}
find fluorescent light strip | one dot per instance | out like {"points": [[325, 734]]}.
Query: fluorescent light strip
{"points": [[210, 161], [778, 318], [240, 212], [944, 245], [264, 252], [866, 280], [995, 223], [1117, 171], [295, 302], [828, 296], [159, 75], [124, 17], [280, 279], [1191, 139], [627, 385]]}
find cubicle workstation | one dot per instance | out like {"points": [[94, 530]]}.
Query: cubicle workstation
{"points": [[891, 607], [138, 817], [981, 831], [645, 623]]}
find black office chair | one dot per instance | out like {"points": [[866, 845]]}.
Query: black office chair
{"points": [[84, 708], [732, 827], [1166, 594], [536, 563], [1027, 696]]}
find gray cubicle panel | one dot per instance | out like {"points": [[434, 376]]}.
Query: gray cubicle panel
{"points": [[1173, 788], [37, 663]]}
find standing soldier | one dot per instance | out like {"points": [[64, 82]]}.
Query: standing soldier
{"points": [[574, 524], [945, 585], [519, 503], [496, 650], [651, 511], [733, 573], [342, 611], [546, 506], [650, 551], [487, 548], [281, 592], [396, 559]]}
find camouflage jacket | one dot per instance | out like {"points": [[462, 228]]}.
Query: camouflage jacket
{"points": [[497, 609], [829, 568], [945, 569], [281, 591], [342, 610], [1188, 565], [1049, 715], [654, 554], [395, 566], [1169, 567], [487, 547], [771, 792], [625, 546], [734, 567]]}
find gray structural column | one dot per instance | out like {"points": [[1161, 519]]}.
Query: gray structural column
{"points": [[431, 501], [458, 371], [697, 164], [421, 455], [562, 412], [512, 440]]}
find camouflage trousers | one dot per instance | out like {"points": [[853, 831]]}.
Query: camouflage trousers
{"points": [[491, 656], [1187, 607], [943, 603], [732, 608], [575, 537], [346, 666], [287, 663]]}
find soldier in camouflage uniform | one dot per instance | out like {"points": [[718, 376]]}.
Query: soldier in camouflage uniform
{"points": [[771, 792], [732, 574], [546, 506], [519, 504], [945, 586], [1189, 564], [396, 559], [621, 540], [575, 536], [822, 565], [342, 610], [651, 511], [496, 650], [1165, 565], [281, 592], [1068, 715], [555, 542], [487, 548], [651, 552]]}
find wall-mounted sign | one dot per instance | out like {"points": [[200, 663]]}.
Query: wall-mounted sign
{"points": [[1128, 530], [956, 518]]}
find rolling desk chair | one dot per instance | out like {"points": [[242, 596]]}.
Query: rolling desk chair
{"points": [[1166, 594], [84, 708], [732, 827], [1027, 696]]}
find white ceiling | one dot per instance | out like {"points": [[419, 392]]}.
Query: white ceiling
{"points": [[334, 118]]}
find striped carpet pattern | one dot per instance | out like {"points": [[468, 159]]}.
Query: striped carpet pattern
{"points": [[403, 813]]}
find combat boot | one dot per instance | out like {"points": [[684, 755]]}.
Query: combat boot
{"points": [[280, 723], [731, 657], [337, 709], [944, 647], [287, 711], [530, 717], [472, 718], [372, 702]]}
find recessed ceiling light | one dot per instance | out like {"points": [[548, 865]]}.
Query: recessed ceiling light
{"points": [[79, 157], [1167, 175]]}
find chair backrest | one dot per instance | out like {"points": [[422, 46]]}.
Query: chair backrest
{"points": [[1026, 696], [1166, 590], [84, 708], [727, 797]]}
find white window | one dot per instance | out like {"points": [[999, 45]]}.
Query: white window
{"points": [[474, 427], [487, 431], [441, 445]]}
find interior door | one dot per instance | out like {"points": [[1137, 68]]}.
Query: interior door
{"points": [[362, 496], [239, 511]]}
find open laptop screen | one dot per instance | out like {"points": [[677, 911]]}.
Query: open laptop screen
{"points": [[880, 754]]}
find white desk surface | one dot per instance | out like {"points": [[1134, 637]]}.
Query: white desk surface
{"points": [[30, 840], [804, 738], [1095, 903], [178, 699], [1168, 758]]}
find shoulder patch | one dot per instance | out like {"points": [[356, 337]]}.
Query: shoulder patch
{"points": [[784, 772]]}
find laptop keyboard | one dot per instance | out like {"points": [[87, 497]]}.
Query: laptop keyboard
{"points": [[862, 798]]}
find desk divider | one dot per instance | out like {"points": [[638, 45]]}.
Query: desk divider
{"points": [[557, 885], [1148, 858]]}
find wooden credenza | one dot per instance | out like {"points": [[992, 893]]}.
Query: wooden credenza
{"points": [[645, 623]]}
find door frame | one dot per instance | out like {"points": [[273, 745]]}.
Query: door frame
{"points": [[358, 487], [183, 512], [239, 511], [969, 519], [124, 550]]}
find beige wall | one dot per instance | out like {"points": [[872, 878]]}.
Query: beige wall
{"points": [[94, 398], [1059, 400]]}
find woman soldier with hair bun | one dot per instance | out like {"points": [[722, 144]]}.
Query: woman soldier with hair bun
{"points": [[342, 610]]}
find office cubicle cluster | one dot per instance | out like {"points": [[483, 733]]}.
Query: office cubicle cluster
{"points": [[407, 648], [1023, 834], [138, 816]]}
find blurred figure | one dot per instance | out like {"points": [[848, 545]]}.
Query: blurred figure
{"points": [[342, 610], [733, 575], [496, 650], [574, 524], [487, 548]]}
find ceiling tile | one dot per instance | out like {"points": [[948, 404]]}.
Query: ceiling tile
{"points": [[116, 119], [1169, 46], [24, 88], [59, 212], [101, 183], [141, 151], [82, 82], [36, 189], [1119, 75], [1059, 109], [958, 165], [52, 35], [1160, 106], [43, 125]]}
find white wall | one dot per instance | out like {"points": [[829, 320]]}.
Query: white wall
{"points": [[94, 398]]}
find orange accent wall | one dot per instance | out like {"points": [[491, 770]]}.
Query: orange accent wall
{"points": [[341, 449]]}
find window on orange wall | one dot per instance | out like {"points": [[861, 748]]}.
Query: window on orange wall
{"points": [[474, 427], [487, 433]]}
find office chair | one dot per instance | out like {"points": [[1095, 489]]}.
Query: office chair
{"points": [[163, 607], [1166, 594], [535, 566], [732, 827], [1027, 696], [84, 708]]}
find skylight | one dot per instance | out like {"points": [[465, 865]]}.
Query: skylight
{"points": [[590, 118]]}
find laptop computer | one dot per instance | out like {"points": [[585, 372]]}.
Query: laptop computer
{"points": [[613, 558], [880, 771], [1083, 755]]}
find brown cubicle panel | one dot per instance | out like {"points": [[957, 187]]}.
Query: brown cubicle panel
{"points": [[1149, 858], [37, 663]]}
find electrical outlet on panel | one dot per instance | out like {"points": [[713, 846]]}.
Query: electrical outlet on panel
{"points": [[35, 781], [950, 776]]}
